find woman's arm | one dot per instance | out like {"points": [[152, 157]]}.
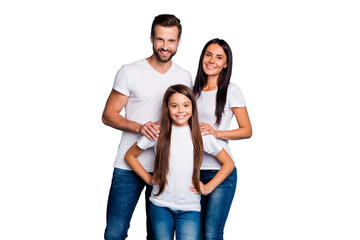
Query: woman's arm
{"points": [[227, 166], [131, 159], [244, 130]]}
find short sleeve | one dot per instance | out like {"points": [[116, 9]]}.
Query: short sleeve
{"points": [[211, 145], [236, 98], [145, 143], [121, 83]]}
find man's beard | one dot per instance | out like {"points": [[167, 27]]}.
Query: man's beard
{"points": [[161, 58]]}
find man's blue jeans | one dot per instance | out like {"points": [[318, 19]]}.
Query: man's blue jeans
{"points": [[215, 207], [126, 187], [165, 221]]}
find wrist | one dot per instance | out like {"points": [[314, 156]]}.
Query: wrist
{"points": [[140, 127]]}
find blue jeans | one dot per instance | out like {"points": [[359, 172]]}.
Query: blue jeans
{"points": [[215, 207], [126, 187], [165, 221]]}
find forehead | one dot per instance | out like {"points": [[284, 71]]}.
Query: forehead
{"points": [[166, 32], [178, 98], [215, 48]]}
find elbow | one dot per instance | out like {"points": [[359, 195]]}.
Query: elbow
{"points": [[105, 119], [126, 157], [249, 133]]}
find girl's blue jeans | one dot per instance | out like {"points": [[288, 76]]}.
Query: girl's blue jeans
{"points": [[215, 207], [166, 222]]}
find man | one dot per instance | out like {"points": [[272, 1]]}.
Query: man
{"points": [[139, 87]]}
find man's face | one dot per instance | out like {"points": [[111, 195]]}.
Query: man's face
{"points": [[165, 42]]}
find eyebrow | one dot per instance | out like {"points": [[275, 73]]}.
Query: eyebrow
{"points": [[216, 54], [180, 103]]}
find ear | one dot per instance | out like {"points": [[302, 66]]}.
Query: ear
{"points": [[179, 41], [151, 39]]}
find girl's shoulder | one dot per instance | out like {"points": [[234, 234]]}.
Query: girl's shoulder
{"points": [[211, 145], [145, 143]]}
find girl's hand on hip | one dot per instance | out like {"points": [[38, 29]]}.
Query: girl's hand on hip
{"points": [[204, 189]]}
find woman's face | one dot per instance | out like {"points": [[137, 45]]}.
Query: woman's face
{"points": [[214, 60]]}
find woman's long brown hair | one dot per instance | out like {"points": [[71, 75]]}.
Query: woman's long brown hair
{"points": [[161, 167]]}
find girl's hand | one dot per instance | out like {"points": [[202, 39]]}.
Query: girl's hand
{"points": [[204, 189], [151, 181], [206, 129]]}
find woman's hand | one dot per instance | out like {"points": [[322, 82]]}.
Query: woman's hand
{"points": [[205, 190], [206, 129]]}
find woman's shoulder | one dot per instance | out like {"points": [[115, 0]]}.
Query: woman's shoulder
{"points": [[232, 86]]}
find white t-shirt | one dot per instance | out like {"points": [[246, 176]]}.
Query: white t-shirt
{"points": [[177, 194], [206, 104], [145, 88]]}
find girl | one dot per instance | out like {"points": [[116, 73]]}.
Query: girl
{"points": [[175, 204], [218, 101]]}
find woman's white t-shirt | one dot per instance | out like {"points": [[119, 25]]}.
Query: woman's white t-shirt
{"points": [[206, 104], [177, 194]]}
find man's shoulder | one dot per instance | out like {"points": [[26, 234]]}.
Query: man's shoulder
{"points": [[141, 63], [178, 68]]}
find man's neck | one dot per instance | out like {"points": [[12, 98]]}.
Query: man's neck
{"points": [[160, 67]]}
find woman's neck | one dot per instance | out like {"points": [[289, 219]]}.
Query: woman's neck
{"points": [[211, 84]]}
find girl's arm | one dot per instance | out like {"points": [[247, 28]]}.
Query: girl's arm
{"points": [[131, 159], [225, 170], [244, 130]]}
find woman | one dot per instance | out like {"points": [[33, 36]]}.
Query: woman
{"points": [[218, 101]]}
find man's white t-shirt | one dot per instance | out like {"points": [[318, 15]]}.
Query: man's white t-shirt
{"points": [[177, 194], [145, 88], [206, 104]]}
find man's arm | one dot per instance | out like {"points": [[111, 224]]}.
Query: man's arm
{"points": [[111, 117]]}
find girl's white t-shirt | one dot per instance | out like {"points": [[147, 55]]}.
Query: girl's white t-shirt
{"points": [[206, 104], [177, 194]]}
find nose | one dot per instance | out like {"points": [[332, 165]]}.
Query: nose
{"points": [[164, 45], [211, 59], [180, 109]]}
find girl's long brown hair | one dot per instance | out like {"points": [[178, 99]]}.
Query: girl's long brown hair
{"points": [[161, 167]]}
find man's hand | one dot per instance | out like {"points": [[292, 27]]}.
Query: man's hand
{"points": [[150, 130]]}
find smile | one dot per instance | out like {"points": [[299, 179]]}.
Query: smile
{"points": [[166, 53], [210, 67], [180, 116]]}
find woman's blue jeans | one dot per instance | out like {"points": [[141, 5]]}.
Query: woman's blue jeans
{"points": [[215, 207], [126, 187], [166, 221]]}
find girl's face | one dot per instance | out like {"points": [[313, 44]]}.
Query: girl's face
{"points": [[214, 60], [180, 109]]}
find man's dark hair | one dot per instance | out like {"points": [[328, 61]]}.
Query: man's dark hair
{"points": [[166, 20]]}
